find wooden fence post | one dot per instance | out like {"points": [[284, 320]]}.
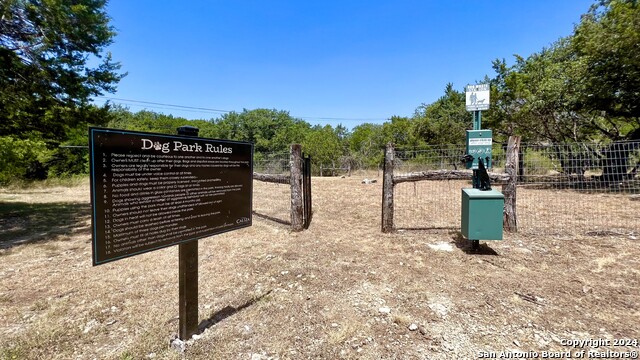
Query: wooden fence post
{"points": [[297, 220], [510, 216], [387, 190]]}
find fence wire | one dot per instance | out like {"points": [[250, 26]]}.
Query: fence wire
{"points": [[272, 200], [580, 188], [428, 204], [272, 163]]}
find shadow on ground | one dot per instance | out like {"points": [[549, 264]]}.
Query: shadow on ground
{"points": [[465, 245], [448, 229], [23, 223], [274, 219], [226, 312]]}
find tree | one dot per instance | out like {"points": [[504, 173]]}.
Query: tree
{"points": [[606, 42], [540, 96], [145, 120], [445, 120], [269, 129], [323, 145], [366, 144], [400, 132], [46, 51], [507, 99], [583, 87]]}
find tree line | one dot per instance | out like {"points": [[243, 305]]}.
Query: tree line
{"points": [[583, 87]]}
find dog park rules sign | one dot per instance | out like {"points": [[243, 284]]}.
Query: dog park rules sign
{"points": [[150, 191]]}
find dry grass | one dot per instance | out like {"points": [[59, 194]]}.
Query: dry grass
{"points": [[268, 292]]}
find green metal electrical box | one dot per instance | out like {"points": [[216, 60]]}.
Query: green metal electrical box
{"points": [[482, 214], [479, 146]]}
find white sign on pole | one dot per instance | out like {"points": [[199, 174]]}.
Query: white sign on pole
{"points": [[477, 97]]}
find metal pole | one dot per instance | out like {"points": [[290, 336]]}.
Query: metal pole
{"points": [[477, 120], [188, 274], [477, 124]]}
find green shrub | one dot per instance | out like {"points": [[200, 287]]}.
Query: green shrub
{"points": [[23, 159], [67, 162], [537, 162]]}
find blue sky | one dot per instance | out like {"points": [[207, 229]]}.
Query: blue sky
{"points": [[356, 61]]}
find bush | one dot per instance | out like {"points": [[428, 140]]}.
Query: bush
{"points": [[67, 162], [538, 162], [22, 159]]}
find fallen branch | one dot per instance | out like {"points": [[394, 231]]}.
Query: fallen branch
{"points": [[530, 298], [280, 179], [496, 178]]}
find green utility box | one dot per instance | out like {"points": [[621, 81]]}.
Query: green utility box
{"points": [[479, 146], [482, 214]]}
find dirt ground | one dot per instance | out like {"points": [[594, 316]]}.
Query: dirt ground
{"points": [[339, 290]]}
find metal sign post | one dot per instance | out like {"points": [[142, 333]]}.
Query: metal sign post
{"points": [[188, 274], [477, 120], [477, 99], [188, 293], [477, 125], [481, 206], [475, 179], [150, 191]]}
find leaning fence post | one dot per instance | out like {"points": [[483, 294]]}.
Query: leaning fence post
{"points": [[510, 216], [387, 190], [297, 221]]}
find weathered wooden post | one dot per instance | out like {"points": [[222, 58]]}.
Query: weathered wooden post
{"points": [[297, 218], [510, 216], [387, 190]]}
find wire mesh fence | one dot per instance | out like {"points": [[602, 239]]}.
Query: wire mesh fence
{"points": [[579, 188], [272, 200], [428, 204], [272, 163], [586, 188]]}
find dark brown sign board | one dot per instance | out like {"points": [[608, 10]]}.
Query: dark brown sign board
{"points": [[150, 191]]}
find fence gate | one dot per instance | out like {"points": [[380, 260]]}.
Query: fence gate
{"points": [[306, 190]]}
